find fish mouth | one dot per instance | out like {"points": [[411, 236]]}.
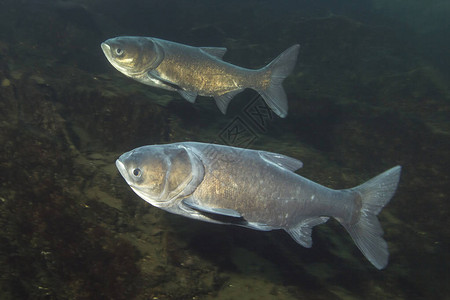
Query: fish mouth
{"points": [[121, 167], [106, 48], [107, 51], [141, 193], [123, 171]]}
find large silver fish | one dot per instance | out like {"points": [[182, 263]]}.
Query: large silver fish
{"points": [[256, 189], [193, 71]]}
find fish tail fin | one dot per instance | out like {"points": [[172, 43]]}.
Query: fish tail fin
{"points": [[366, 232], [279, 69]]}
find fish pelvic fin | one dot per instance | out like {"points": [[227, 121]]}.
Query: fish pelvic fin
{"points": [[280, 68], [366, 232]]}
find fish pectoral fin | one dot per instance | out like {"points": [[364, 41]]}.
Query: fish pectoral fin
{"points": [[189, 96], [222, 101], [211, 210], [301, 233], [217, 52], [154, 76], [260, 226], [282, 161]]}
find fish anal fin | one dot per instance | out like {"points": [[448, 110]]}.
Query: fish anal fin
{"points": [[226, 212], [282, 161], [222, 101], [188, 95], [217, 52], [301, 232]]}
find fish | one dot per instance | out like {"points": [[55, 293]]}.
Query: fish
{"points": [[258, 190], [193, 71]]}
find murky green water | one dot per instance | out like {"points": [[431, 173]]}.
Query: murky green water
{"points": [[370, 91]]}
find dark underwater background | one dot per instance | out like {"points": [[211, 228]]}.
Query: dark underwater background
{"points": [[370, 91]]}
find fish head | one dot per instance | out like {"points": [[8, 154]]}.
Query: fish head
{"points": [[133, 56], [162, 175]]}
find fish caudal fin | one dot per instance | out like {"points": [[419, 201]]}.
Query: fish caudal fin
{"points": [[279, 69], [367, 232]]}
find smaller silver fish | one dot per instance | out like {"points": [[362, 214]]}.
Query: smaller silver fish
{"points": [[193, 71], [258, 190]]}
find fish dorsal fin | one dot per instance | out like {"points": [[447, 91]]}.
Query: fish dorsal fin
{"points": [[226, 212], [217, 52], [301, 233], [281, 161]]}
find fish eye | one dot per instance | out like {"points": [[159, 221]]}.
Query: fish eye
{"points": [[119, 51], [137, 172]]}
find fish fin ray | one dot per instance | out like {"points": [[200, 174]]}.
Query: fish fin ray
{"points": [[222, 101], [301, 232], [274, 95], [188, 95], [367, 232], [217, 52], [281, 161], [211, 210]]}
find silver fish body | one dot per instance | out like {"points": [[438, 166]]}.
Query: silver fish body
{"points": [[258, 190], [193, 71]]}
